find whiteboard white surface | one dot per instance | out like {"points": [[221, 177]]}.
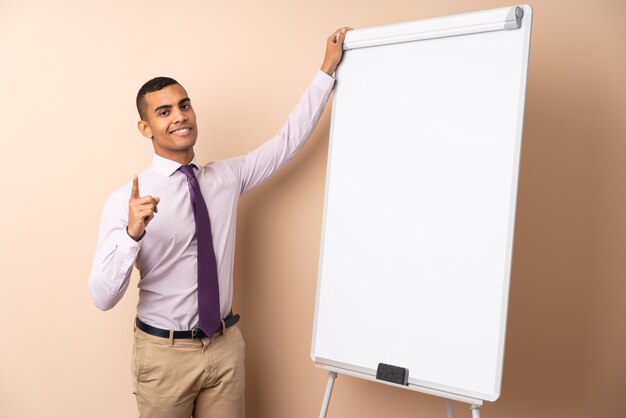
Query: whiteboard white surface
{"points": [[420, 206]]}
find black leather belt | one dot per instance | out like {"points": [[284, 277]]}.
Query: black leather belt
{"points": [[195, 333]]}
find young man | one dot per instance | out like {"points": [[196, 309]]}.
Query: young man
{"points": [[176, 223]]}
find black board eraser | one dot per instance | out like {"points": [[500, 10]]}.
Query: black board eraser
{"points": [[393, 374]]}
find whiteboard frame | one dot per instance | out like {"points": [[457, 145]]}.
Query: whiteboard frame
{"points": [[488, 20]]}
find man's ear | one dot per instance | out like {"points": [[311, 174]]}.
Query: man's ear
{"points": [[145, 129]]}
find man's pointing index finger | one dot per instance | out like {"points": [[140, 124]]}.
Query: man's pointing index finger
{"points": [[134, 191]]}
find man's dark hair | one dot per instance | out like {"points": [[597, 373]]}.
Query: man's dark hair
{"points": [[156, 84]]}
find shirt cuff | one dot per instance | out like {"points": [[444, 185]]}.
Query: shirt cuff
{"points": [[323, 80], [128, 244]]}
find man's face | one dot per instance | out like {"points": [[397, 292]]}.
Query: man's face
{"points": [[170, 121]]}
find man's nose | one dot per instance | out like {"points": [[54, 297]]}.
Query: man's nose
{"points": [[180, 116]]}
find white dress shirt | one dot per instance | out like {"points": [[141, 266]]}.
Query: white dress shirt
{"points": [[166, 256]]}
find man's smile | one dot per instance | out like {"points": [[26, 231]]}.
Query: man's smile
{"points": [[181, 131]]}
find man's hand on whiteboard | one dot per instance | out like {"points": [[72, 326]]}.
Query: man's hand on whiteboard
{"points": [[334, 49]]}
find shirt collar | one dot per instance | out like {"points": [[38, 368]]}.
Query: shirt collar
{"points": [[168, 167]]}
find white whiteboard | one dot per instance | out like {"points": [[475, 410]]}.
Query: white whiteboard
{"points": [[420, 201]]}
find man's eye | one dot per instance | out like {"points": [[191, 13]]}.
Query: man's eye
{"points": [[185, 107], [163, 113]]}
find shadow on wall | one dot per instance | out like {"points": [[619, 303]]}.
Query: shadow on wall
{"points": [[565, 263]]}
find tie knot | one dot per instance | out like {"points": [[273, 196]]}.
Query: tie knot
{"points": [[187, 170]]}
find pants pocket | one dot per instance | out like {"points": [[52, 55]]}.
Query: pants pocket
{"points": [[139, 358]]}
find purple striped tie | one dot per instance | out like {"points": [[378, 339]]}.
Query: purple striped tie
{"points": [[208, 287]]}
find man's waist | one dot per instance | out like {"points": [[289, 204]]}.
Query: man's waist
{"points": [[172, 310], [193, 333]]}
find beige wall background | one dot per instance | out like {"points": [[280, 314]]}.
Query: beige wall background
{"points": [[69, 73]]}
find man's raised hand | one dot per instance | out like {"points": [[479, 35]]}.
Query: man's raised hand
{"points": [[141, 210], [334, 50]]}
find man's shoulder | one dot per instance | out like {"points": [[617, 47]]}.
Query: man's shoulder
{"points": [[221, 167]]}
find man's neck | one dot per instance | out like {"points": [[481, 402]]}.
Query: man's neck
{"points": [[183, 158]]}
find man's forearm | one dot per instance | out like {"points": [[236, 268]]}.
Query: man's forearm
{"points": [[260, 164], [114, 259]]}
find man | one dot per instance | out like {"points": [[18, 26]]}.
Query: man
{"points": [[176, 223]]}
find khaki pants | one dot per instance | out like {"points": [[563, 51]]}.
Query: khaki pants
{"points": [[184, 378]]}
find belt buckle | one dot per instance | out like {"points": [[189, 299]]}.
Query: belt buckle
{"points": [[194, 333]]}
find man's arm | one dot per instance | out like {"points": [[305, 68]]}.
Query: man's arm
{"points": [[119, 242], [260, 164]]}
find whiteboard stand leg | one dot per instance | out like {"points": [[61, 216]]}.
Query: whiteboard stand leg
{"points": [[450, 409], [329, 390], [475, 411]]}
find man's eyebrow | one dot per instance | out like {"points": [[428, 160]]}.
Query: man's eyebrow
{"points": [[162, 107], [167, 106]]}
